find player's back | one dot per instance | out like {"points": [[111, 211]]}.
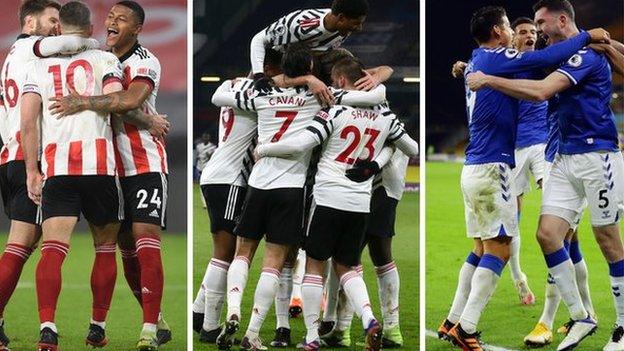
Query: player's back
{"points": [[356, 133], [282, 113], [79, 144], [232, 162], [305, 26], [13, 77]]}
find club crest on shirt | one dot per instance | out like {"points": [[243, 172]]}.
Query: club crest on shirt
{"points": [[576, 60], [511, 53]]}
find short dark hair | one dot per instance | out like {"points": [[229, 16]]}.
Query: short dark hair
{"points": [[35, 7], [483, 20], [557, 6], [350, 68], [75, 14], [350, 8], [272, 57], [521, 20], [296, 60], [136, 9]]}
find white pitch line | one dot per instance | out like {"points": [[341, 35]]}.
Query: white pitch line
{"points": [[486, 347]]}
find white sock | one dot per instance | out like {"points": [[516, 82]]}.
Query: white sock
{"points": [[514, 259], [580, 270], [99, 324], [263, 298], [236, 281], [297, 275], [463, 287], [483, 285], [388, 288], [355, 289], [282, 298], [616, 272], [332, 285], [551, 303], [312, 294], [561, 269], [50, 325], [215, 284], [345, 312], [198, 303], [149, 327]]}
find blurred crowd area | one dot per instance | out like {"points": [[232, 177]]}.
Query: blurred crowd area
{"points": [[221, 51]]}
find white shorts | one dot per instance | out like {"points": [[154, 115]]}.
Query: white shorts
{"points": [[529, 160], [577, 220], [595, 177], [490, 208]]}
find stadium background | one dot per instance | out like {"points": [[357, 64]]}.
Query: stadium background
{"points": [[504, 322], [222, 33], [164, 34]]}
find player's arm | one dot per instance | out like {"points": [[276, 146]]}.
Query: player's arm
{"points": [[274, 35], [457, 71], [399, 137], [373, 77], [363, 170], [524, 89], [320, 90], [617, 45], [30, 110], [516, 62], [224, 96], [615, 57], [3, 112], [63, 44], [361, 98]]}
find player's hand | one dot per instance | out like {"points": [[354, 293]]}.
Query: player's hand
{"points": [[367, 83], [34, 182], [159, 126], [262, 83], [476, 80], [321, 91], [363, 171], [458, 69], [67, 105], [599, 35]]}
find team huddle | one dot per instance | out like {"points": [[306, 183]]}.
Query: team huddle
{"points": [[310, 156], [537, 99], [81, 134]]}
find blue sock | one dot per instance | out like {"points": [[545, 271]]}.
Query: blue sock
{"points": [[493, 263], [557, 257], [473, 259], [575, 252]]}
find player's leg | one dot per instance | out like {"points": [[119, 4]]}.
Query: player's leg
{"points": [[581, 273], [129, 259], [282, 301], [103, 278], [296, 307], [312, 294]]}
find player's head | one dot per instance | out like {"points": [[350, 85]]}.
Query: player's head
{"points": [[75, 18], [206, 138], [346, 72], [525, 34], [297, 60], [124, 23], [489, 24], [39, 17], [552, 17], [351, 14], [325, 63], [272, 62]]}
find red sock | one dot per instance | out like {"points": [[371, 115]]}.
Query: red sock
{"points": [[103, 277], [48, 278], [148, 252], [11, 264], [132, 272]]}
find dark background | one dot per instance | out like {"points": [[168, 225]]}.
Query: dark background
{"points": [[448, 40], [221, 48]]}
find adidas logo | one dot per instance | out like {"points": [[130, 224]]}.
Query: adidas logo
{"points": [[145, 291], [235, 289], [154, 214]]}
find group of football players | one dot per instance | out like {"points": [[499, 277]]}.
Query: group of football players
{"points": [[81, 135], [544, 112], [299, 143]]}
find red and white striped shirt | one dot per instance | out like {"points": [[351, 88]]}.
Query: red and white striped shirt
{"points": [[137, 151], [81, 144]]}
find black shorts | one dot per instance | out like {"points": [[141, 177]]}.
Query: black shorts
{"points": [[145, 199], [97, 197], [276, 213], [382, 215], [337, 234], [17, 205], [224, 203]]}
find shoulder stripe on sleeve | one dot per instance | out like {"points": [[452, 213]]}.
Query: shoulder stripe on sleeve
{"points": [[144, 79], [387, 113], [253, 104], [238, 102], [245, 101], [322, 122], [317, 132]]}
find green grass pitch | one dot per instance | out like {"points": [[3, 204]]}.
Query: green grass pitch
{"points": [[405, 255], [505, 322], [74, 309]]}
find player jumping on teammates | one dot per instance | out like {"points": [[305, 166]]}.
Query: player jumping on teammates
{"points": [[142, 162], [588, 167], [39, 22], [491, 210]]}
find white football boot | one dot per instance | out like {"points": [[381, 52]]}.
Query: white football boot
{"points": [[579, 331]]}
